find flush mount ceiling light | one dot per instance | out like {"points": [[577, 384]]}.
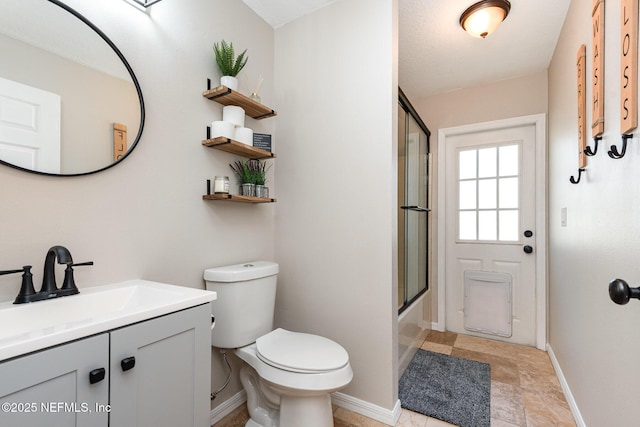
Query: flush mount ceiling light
{"points": [[484, 17], [146, 3]]}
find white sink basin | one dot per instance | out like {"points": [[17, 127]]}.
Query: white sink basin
{"points": [[34, 326]]}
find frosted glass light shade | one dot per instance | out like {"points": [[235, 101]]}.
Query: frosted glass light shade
{"points": [[484, 17], [146, 3]]}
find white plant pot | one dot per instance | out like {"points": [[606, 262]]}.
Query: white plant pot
{"points": [[230, 82]]}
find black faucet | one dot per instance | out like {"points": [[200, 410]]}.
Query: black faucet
{"points": [[49, 279], [49, 288]]}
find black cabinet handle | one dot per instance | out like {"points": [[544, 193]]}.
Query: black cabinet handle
{"points": [[96, 375], [128, 363]]}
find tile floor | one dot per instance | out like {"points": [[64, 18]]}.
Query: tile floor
{"points": [[525, 391]]}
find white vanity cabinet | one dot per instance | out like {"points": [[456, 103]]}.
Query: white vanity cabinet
{"points": [[51, 388], [156, 373], [169, 385]]}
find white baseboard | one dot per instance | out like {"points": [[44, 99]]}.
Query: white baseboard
{"points": [[565, 388], [375, 412], [339, 399], [228, 406], [437, 326]]}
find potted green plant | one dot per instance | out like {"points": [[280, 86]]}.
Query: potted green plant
{"points": [[228, 63], [246, 176], [260, 173]]}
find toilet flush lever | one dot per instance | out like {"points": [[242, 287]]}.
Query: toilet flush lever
{"points": [[621, 293]]}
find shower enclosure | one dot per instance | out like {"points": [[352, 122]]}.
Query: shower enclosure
{"points": [[413, 204]]}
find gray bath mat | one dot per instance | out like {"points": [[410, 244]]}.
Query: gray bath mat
{"points": [[451, 389]]}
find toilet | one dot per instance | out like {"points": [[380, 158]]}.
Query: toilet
{"points": [[288, 376]]}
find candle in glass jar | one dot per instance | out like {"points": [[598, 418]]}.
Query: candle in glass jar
{"points": [[221, 185]]}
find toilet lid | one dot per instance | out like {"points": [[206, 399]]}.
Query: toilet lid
{"points": [[298, 352]]}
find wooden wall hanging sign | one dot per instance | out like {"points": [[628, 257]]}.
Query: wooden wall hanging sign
{"points": [[629, 67], [119, 140], [597, 100], [582, 105]]}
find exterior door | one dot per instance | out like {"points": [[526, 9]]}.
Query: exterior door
{"points": [[490, 211], [29, 127]]}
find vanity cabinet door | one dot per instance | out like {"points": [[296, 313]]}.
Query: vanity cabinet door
{"points": [[161, 371], [53, 387]]}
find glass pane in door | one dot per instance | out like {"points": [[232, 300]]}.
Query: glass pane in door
{"points": [[489, 193]]}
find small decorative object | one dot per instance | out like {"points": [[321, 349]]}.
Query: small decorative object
{"points": [[246, 176], [221, 185], [262, 141], [228, 63], [597, 97], [260, 177], [254, 94], [248, 189], [629, 67], [251, 174]]}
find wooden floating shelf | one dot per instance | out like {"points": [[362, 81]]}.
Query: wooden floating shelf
{"points": [[225, 96], [238, 198], [238, 148]]}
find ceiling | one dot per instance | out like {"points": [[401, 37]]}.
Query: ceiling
{"points": [[436, 55]]}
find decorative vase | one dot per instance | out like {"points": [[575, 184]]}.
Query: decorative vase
{"points": [[230, 82], [262, 191], [248, 190]]}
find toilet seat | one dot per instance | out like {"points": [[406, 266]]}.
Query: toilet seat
{"points": [[300, 352]]}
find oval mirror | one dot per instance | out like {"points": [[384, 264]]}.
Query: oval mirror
{"points": [[70, 103]]}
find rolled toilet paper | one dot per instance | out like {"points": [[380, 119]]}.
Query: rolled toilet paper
{"points": [[222, 128], [233, 114], [244, 135]]}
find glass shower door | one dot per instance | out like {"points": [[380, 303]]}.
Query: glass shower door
{"points": [[413, 214]]}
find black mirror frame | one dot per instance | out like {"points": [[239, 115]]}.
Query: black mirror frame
{"points": [[135, 82]]}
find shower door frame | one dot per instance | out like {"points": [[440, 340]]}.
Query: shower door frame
{"points": [[405, 104]]}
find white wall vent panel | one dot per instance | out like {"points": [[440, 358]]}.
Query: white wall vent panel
{"points": [[487, 302]]}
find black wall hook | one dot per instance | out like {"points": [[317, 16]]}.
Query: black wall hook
{"points": [[575, 181], [613, 152], [588, 150]]}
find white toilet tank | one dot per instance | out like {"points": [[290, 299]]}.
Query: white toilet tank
{"points": [[246, 299]]}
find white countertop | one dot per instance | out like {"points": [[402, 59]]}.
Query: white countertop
{"points": [[34, 326]]}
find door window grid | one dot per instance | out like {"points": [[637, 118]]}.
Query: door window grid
{"points": [[488, 193]]}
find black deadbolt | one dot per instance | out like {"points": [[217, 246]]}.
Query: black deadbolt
{"points": [[528, 233]]}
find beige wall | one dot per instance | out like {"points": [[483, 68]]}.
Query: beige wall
{"points": [[145, 218], [337, 185], [595, 341], [505, 99]]}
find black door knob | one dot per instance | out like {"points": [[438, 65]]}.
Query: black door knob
{"points": [[527, 249], [621, 293], [128, 363]]}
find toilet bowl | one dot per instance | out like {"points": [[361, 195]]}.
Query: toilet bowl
{"points": [[288, 376]]}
